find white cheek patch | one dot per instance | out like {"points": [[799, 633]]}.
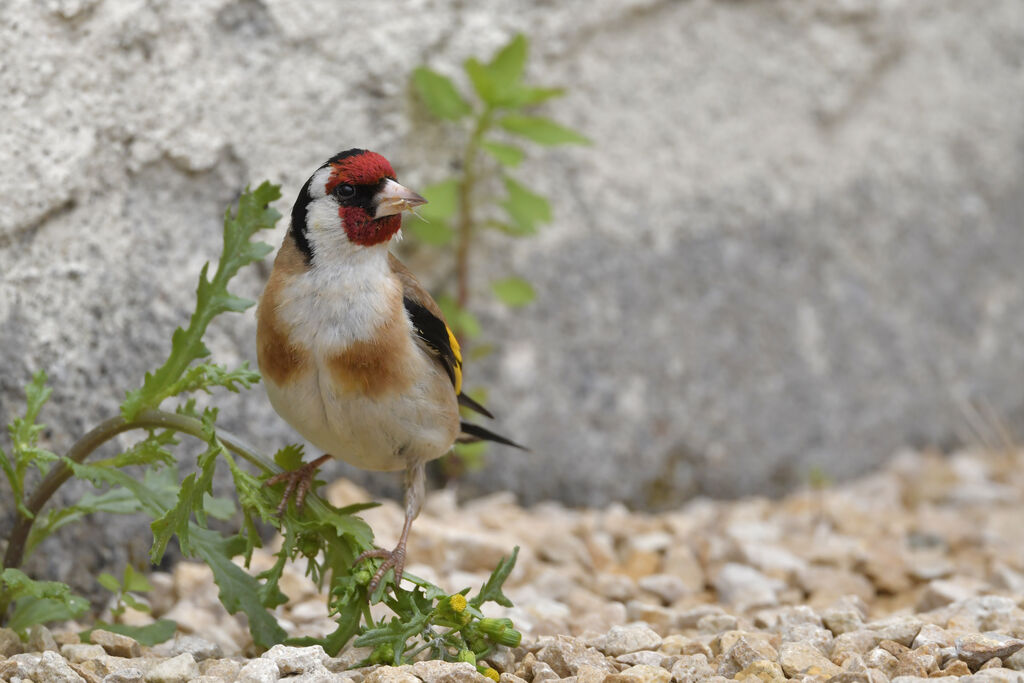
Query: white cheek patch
{"points": [[324, 228], [318, 184]]}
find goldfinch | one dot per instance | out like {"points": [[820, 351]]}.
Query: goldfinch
{"points": [[355, 354]]}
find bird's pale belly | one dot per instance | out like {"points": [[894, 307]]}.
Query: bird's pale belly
{"points": [[380, 433]]}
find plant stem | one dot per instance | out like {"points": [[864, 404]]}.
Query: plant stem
{"points": [[84, 447], [466, 222]]}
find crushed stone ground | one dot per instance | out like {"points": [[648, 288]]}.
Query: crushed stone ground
{"points": [[913, 573]]}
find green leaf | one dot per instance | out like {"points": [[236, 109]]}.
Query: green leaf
{"points": [[528, 95], [480, 77], [439, 94], [442, 203], [192, 497], [38, 602], [442, 200], [135, 581], [239, 592], [129, 600], [24, 433], [290, 457], [110, 582], [208, 375], [149, 451], [212, 297], [506, 68], [542, 130], [491, 590], [507, 155], [525, 208], [434, 233], [513, 291], [461, 320], [30, 611], [149, 635]]}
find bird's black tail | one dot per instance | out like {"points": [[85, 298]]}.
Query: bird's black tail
{"points": [[472, 432]]}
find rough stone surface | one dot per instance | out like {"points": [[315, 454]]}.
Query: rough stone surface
{"points": [[978, 648], [621, 640], [174, 670], [115, 643], [9, 643], [818, 203]]}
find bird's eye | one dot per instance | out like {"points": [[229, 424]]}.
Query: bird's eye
{"points": [[345, 191]]}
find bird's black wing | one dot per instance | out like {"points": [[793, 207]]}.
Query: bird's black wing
{"points": [[438, 337]]}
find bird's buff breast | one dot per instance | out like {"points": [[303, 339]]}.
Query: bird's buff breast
{"points": [[383, 433], [349, 377]]}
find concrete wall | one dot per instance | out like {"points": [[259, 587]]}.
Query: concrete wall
{"points": [[796, 243]]}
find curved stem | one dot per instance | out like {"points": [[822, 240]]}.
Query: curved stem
{"points": [[84, 447]]}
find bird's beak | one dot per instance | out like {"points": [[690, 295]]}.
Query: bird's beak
{"points": [[395, 198]]}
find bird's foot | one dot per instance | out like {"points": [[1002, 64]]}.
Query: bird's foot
{"points": [[299, 481], [393, 559]]}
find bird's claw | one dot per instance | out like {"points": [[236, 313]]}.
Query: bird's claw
{"points": [[393, 559], [299, 480]]}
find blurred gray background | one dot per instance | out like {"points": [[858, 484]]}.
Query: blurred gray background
{"points": [[795, 246]]}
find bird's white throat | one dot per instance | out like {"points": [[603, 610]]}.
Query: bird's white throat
{"points": [[341, 300]]}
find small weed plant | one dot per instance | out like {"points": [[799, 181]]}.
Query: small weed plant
{"points": [[425, 619], [497, 125]]}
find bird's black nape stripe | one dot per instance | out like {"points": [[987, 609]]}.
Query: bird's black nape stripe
{"points": [[434, 333], [298, 229], [344, 155]]}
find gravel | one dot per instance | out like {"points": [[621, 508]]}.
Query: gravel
{"points": [[902, 576]]}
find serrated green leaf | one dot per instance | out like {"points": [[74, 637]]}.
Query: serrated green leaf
{"points": [[491, 590], [524, 207], [239, 592], [149, 635], [30, 611], [541, 130], [174, 520], [290, 457], [195, 491], [507, 155], [24, 433], [212, 297], [38, 602], [205, 376], [513, 291], [439, 94], [149, 451]]}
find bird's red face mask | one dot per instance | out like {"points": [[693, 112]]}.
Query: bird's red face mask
{"points": [[370, 200]]}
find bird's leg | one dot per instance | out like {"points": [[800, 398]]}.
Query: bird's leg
{"points": [[415, 479], [299, 481]]}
